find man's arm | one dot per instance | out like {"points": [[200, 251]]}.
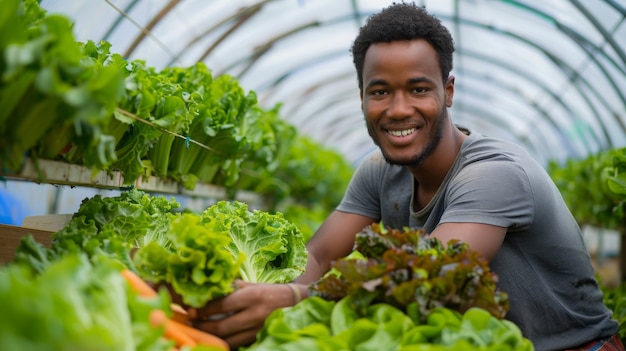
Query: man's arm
{"points": [[334, 239], [484, 238]]}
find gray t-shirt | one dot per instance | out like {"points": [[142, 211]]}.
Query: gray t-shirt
{"points": [[543, 264]]}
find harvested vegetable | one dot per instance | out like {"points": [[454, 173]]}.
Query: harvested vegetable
{"points": [[174, 327], [159, 319], [202, 338], [273, 248], [184, 335], [197, 265], [401, 267], [139, 285]]}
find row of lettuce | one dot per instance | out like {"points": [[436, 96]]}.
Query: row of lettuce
{"points": [[83, 104], [393, 292], [594, 188]]}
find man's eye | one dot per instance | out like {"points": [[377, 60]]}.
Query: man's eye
{"points": [[378, 92], [419, 90]]}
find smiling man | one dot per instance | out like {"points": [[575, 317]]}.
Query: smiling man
{"points": [[455, 184]]}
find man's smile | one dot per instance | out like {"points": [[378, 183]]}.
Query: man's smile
{"points": [[401, 133]]}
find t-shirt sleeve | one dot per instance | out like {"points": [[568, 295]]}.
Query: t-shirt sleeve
{"points": [[491, 192], [363, 193]]}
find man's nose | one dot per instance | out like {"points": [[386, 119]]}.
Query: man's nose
{"points": [[400, 106]]}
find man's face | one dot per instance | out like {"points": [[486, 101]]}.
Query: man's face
{"points": [[404, 99]]}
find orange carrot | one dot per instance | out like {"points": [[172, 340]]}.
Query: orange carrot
{"points": [[179, 314], [145, 290], [172, 330], [201, 337], [139, 285]]}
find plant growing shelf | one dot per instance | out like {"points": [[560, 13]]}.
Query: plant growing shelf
{"points": [[62, 173]]}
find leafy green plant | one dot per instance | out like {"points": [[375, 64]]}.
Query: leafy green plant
{"points": [[196, 265], [617, 179], [110, 225], [318, 324], [273, 248], [584, 185], [76, 303], [593, 189], [402, 267], [51, 92]]}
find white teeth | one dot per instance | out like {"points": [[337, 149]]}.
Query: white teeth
{"points": [[401, 132]]}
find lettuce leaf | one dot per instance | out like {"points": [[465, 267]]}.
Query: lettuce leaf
{"points": [[75, 304], [197, 265], [274, 248]]}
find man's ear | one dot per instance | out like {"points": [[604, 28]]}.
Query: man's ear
{"points": [[449, 90]]}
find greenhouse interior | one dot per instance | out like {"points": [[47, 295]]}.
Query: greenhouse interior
{"points": [[124, 121]]}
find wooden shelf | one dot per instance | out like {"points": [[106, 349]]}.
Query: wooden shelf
{"points": [[61, 173]]}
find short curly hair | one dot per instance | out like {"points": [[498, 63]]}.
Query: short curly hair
{"points": [[403, 21]]}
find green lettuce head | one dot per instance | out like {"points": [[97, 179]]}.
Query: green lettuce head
{"points": [[274, 248]]}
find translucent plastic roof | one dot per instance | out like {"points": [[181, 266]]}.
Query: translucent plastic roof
{"points": [[548, 74]]}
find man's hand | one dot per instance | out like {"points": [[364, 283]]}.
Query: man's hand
{"points": [[238, 317]]}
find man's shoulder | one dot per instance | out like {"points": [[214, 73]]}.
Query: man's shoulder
{"points": [[480, 147], [485, 156]]}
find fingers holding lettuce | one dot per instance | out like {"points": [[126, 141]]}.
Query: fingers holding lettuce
{"points": [[239, 316]]}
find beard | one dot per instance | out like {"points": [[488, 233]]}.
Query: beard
{"points": [[434, 138]]}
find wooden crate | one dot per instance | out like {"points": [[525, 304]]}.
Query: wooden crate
{"points": [[10, 237]]}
